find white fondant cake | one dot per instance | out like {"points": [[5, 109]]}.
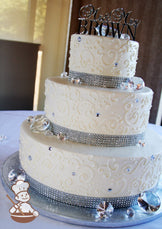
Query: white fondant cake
{"points": [[116, 163]]}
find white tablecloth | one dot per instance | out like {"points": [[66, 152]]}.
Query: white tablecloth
{"points": [[10, 122]]}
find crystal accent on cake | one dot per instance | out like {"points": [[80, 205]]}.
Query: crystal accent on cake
{"points": [[75, 80], [61, 136], [96, 139], [141, 143], [104, 210], [64, 75], [105, 81], [40, 124], [149, 201], [115, 23]]}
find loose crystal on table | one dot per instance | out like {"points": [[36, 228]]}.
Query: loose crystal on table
{"points": [[104, 210], [16, 174], [130, 212], [149, 201]]}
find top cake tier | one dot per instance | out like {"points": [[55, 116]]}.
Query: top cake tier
{"points": [[105, 56]]}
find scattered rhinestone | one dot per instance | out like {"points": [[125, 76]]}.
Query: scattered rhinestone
{"points": [[30, 119], [62, 136], [75, 81], [104, 210], [79, 39], [50, 148], [30, 157], [149, 201], [64, 75], [130, 212], [152, 158], [3, 138], [128, 169], [16, 174], [141, 143]]}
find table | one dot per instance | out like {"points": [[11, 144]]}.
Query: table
{"points": [[10, 122]]}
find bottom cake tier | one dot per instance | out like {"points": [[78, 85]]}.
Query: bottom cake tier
{"points": [[84, 175]]}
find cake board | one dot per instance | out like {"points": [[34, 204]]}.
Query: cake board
{"points": [[77, 215]]}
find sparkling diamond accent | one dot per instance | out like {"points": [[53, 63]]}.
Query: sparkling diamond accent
{"points": [[75, 81], [3, 138], [16, 174], [152, 158], [64, 75], [141, 143], [61, 136], [50, 148], [30, 157], [128, 169], [40, 124], [130, 212], [149, 201], [79, 39], [104, 210]]}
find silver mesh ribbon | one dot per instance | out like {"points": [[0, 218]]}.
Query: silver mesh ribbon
{"points": [[77, 200], [103, 81], [97, 139]]}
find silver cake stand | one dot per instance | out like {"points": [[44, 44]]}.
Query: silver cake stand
{"points": [[77, 215]]}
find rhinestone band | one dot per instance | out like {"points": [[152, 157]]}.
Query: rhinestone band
{"points": [[80, 201], [103, 81], [98, 139]]}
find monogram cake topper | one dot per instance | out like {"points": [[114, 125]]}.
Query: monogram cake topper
{"points": [[115, 24]]}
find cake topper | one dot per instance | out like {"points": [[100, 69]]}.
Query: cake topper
{"points": [[115, 24]]}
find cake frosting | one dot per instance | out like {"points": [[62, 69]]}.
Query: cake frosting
{"points": [[93, 143]]}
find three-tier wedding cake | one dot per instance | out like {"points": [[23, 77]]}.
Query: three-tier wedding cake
{"points": [[93, 144]]}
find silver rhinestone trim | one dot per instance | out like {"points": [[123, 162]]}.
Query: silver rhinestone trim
{"points": [[80, 201], [98, 139], [102, 81]]}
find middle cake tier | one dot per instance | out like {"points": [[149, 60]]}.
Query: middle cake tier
{"points": [[102, 112]]}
